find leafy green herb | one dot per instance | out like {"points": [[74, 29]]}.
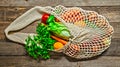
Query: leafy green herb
{"points": [[40, 44]]}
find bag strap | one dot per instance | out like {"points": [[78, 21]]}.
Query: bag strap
{"points": [[24, 20]]}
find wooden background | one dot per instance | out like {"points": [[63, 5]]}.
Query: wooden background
{"points": [[14, 55]]}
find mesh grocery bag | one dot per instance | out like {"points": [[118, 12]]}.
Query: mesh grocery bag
{"points": [[91, 32]]}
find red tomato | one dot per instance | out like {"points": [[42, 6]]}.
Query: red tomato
{"points": [[45, 17]]}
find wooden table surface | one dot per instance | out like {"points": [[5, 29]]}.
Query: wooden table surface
{"points": [[14, 55]]}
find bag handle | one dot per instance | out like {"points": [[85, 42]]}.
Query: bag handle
{"points": [[24, 20]]}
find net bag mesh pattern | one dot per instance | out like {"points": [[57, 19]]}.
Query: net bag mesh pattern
{"points": [[91, 31]]}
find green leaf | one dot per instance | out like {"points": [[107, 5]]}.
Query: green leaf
{"points": [[39, 45]]}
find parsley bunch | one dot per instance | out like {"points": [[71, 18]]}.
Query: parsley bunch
{"points": [[40, 44]]}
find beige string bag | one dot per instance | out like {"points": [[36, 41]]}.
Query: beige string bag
{"points": [[91, 32]]}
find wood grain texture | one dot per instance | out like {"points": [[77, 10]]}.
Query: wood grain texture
{"points": [[104, 61], [59, 2], [112, 13], [25, 61], [2, 14], [10, 48]]}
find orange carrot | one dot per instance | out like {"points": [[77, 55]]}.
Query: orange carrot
{"points": [[59, 40], [57, 20]]}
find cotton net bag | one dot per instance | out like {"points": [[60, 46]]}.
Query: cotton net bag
{"points": [[91, 32]]}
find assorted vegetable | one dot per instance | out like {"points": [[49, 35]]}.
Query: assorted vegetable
{"points": [[48, 32], [57, 28]]}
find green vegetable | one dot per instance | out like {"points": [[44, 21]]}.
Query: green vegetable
{"points": [[40, 44], [51, 18], [57, 28]]}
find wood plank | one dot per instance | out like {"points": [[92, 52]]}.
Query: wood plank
{"points": [[112, 14], [25, 61], [2, 13], [11, 13], [11, 48], [104, 61], [114, 49], [61, 2]]}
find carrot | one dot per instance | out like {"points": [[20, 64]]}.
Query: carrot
{"points": [[57, 20], [59, 40]]}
